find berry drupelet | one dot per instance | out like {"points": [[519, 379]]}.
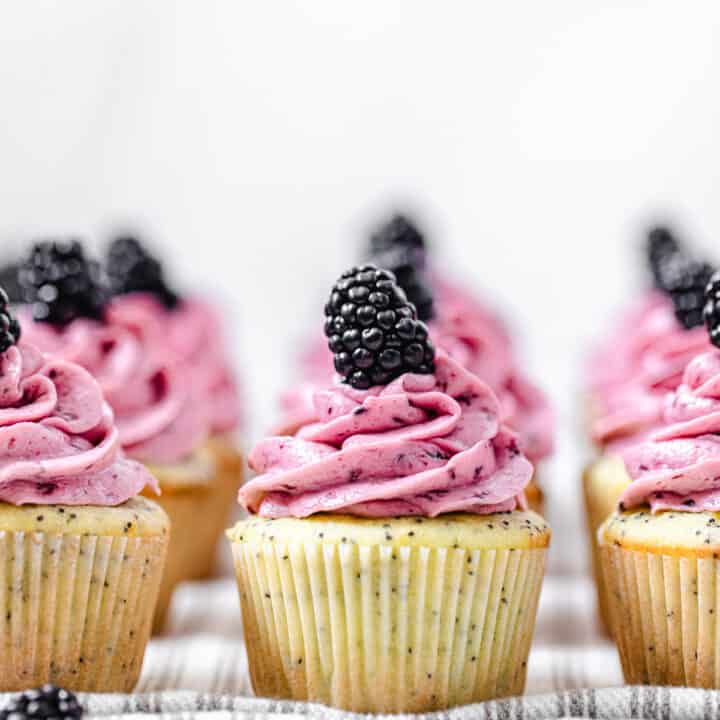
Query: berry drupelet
{"points": [[131, 268], [61, 283], [373, 331], [711, 311], [9, 326], [661, 247], [685, 281], [45, 703]]}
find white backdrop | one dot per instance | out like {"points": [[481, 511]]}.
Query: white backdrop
{"points": [[255, 140]]}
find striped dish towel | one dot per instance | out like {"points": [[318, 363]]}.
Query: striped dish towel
{"points": [[200, 669]]}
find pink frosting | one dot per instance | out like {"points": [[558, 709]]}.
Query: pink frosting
{"points": [[636, 365], [422, 445], [159, 412], [58, 442], [678, 467]]}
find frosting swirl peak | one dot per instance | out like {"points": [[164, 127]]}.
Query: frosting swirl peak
{"points": [[422, 445]]}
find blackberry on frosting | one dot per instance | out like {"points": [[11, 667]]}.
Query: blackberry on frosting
{"points": [[61, 283], [373, 330], [132, 268]]}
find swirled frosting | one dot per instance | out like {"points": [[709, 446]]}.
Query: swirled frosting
{"points": [[159, 412], [422, 445], [636, 365], [58, 442], [678, 467]]}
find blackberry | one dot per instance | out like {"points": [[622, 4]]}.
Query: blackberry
{"points": [[399, 232], [61, 283], [9, 326], [373, 331], [711, 311], [661, 247], [45, 703], [686, 280], [131, 268]]}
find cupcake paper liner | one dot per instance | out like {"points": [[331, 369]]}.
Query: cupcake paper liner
{"points": [[383, 628], [76, 610], [664, 610]]}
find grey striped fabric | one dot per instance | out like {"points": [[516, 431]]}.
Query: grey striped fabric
{"points": [[200, 669]]}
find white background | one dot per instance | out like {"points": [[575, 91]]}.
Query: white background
{"points": [[255, 141]]}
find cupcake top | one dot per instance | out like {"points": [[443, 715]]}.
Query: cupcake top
{"points": [[678, 466], [466, 328], [128, 343], [427, 440], [644, 355], [58, 441]]}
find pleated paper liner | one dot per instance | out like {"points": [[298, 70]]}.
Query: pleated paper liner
{"points": [[603, 483], [76, 604], [408, 617], [664, 595]]}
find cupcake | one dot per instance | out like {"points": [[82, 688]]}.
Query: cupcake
{"points": [[659, 550], [160, 405], [388, 563], [632, 372], [81, 553], [458, 323]]}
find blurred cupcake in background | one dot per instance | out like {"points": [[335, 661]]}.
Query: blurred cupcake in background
{"points": [[161, 404], [193, 329], [81, 554], [459, 323], [659, 550], [633, 370], [388, 564]]}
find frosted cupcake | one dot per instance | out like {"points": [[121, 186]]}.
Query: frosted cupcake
{"points": [[160, 409], [81, 554], [659, 551], [388, 565], [634, 369], [458, 323]]}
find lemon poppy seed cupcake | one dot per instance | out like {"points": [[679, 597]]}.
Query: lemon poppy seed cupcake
{"points": [[659, 550], [81, 555], [387, 564]]}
